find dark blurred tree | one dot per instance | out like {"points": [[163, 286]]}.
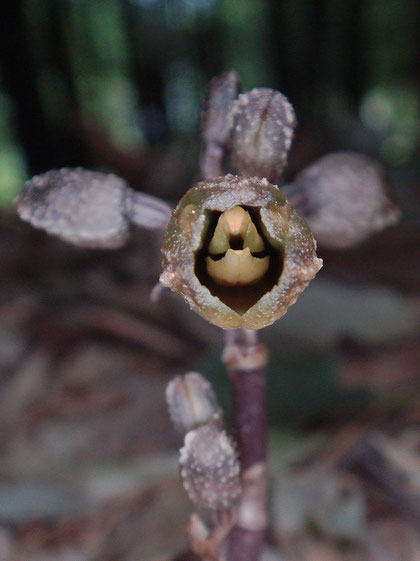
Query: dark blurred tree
{"points": [[138, 68]]}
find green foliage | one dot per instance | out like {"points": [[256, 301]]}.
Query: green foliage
{"points": [[12, 162], [109, 61]]}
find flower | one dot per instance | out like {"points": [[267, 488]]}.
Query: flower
{"points": [[237, 252]]}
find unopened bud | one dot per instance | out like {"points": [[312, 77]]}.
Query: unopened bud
{"points": [[210, 468], [217, 116], [88, 208], [343, 197], [82, 207], [192, 402], [262, 135], [217, 121], [237, 252]]}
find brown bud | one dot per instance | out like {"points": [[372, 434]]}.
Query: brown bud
{"points": [[218, 107], [217, 121], [192, 402], [237, 252], [210, 468], [262, 134], [87, 208], [82, 207], [343, 197]]}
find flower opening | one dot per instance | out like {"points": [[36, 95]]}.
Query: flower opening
{"points": [[237, 252]]}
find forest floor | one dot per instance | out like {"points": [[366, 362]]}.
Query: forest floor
{"points": [[88, 457]]}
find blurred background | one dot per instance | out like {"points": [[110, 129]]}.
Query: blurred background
{"points": [[88, 458]]}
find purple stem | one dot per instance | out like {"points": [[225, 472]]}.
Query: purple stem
{"points": [[246, 360]]}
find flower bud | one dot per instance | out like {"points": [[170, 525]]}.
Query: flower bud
{"points": [[192, 402], [237, 252], [88, 208], [217, 121], [262, 134], [210, 468], [343, 196], [218, 108], [82, 207]]}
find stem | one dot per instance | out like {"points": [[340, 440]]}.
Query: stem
{"points": [[246, 361]]}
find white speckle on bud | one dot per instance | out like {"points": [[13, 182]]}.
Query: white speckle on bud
{"points": [[262, 133], [210, 468]]}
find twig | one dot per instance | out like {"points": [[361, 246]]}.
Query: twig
{"points": [[138, 331], [246, 360]]}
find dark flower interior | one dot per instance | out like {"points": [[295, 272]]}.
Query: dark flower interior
{"points": [[238, 296]]}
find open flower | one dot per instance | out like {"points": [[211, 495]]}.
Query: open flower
{"points": [[234, 248], [237, 252]]}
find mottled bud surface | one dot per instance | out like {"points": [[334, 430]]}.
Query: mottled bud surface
{"points": [[210, 468], [344, 199], [262, 134], [82, 207], [89, 208], [237, 252], [192, 402]]}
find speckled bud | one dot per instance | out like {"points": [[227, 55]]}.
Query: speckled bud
{"points": [[344, 199], [192, 402], [210, 468], [82, 207], [262, 134], [88, 208], [237, 252]]}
